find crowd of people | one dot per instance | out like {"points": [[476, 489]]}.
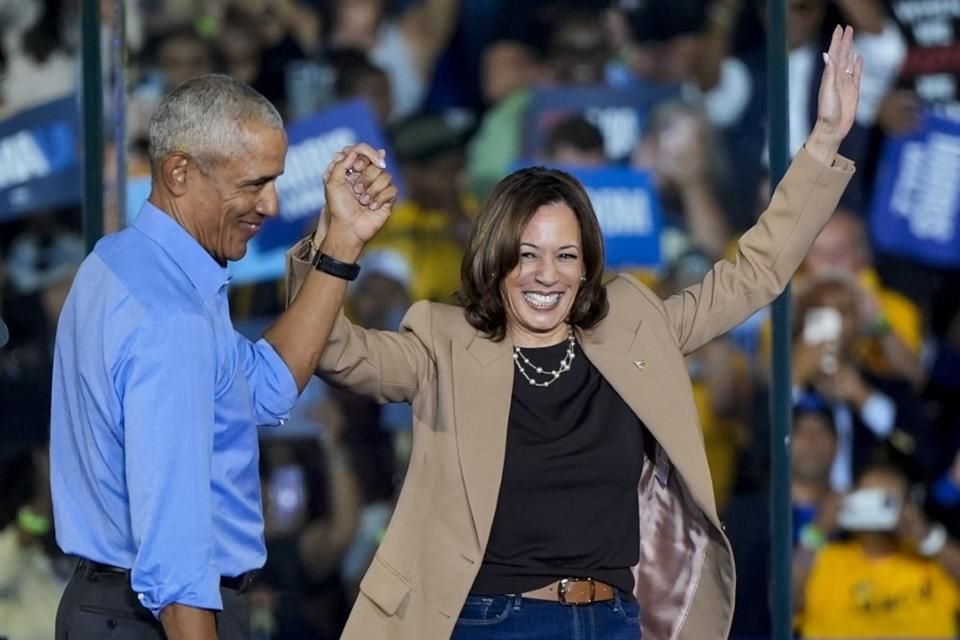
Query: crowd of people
{"points": [[875, 342]]}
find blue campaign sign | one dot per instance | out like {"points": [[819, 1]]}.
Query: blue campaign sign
{"points": [[313, 141], [40, 159], [628, 209], [619, 112], [916, 204]]}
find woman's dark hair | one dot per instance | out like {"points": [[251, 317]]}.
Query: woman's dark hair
{"points": [[47, 33], [493, 248]]}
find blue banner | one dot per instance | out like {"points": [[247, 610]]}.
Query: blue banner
{"points": [[916, 204], [40, 166], [620, 114], [628, 209]]}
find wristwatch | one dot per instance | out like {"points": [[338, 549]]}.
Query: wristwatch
{"points": [[334, 267]]}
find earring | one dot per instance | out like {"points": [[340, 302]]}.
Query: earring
{"points": [[583, 278]]}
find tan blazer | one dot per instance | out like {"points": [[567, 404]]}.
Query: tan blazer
{"points": [[460, 384]]}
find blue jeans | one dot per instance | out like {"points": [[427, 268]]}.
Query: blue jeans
{"points": [[516, 618]]}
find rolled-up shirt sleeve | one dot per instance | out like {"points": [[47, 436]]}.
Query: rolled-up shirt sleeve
{"points": [[168, 390], [271, 382]]}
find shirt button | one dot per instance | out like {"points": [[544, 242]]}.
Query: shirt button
{"points": [[140, 597]]}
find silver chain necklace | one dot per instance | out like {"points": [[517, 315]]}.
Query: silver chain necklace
{"points": [[520, 360]]}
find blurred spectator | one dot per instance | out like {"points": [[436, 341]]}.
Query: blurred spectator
{"points": [[579, 49], [406, 46], [682, 150], [683, 43], [40, 266], [892, 333], [721, 384], [873, 414], [33, 572], [238, 46], [895, 577], [40, 59], [509, 69], [574, 142], [170, 57], [357, 77], [311, 505], [928, 81], [813, 445], [877, 39], [428, 227]]}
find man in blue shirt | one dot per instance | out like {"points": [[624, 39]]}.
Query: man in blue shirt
{"points": [[156, 399]]}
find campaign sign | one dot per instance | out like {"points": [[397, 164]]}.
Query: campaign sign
{"points": [[313, 141], [625, 201], [618, 112], [916, 205], [40, 165]]}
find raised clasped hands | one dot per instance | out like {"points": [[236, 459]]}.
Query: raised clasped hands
{"points": [[359, 199], [838, 97]]}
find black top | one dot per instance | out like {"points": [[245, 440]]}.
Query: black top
{"points": [[568, 499]]}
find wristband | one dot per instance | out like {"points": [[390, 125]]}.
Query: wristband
{"points": [[934, 541], [32, 524], [880, 326], [811, 538], [334, 267]]}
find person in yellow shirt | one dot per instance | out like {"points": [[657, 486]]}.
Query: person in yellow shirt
{"points": [[895, 578], [428, 228], [892, 333]]}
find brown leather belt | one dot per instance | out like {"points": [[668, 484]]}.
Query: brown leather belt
{"points": [[574, 591]]}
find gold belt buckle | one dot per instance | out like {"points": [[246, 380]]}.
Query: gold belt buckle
{"points": [[565, 582]]}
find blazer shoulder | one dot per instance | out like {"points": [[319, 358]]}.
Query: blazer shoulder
{"points": [[624, 290], [433, 320]]}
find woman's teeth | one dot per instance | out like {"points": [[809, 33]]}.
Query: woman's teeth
{"points": [[542, 301]]}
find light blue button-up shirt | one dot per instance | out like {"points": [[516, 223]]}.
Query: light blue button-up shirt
{"points": [[156, 399]]}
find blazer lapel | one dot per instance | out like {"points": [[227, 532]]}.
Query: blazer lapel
{"points": [[482, 389]]}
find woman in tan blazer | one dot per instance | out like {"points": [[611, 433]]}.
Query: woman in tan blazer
{"points": [[558, 479]]}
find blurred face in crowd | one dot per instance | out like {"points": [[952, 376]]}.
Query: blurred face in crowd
{"points": [[841, 296], [239, 49], [840, 248], [436, 183], [812, 447], [229, 201], [357, 22], [541, 289], [670, 61], [183, 57], [506, 67], [375, 87], [579, 52]]}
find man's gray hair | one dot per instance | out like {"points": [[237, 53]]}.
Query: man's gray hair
{"points": [[204, 118]]}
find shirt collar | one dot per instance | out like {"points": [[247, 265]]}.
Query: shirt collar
{"points": [[201, 269]]}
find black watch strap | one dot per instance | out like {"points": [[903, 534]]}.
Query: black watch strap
{"points": [[345, 270]]}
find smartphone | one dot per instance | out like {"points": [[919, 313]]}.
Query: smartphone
{"points": [[288, 496], [822, 325]]}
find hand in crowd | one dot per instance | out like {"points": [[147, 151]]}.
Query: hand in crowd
{"points": [[899, 113], [913, 525], [359, 194], [846, 385]]}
